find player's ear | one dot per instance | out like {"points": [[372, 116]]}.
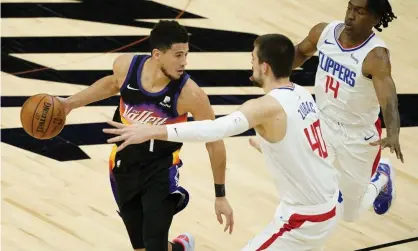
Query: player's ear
{"points": [[264, 67], [156, 53]]}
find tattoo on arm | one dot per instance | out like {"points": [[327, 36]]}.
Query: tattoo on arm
{"points": [[385, 90], [390, 111]]}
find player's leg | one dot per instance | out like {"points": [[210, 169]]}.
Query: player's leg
{"points": [[163, 198], [382, 180], [133, 219], [332, 224], [359, 181], [356, 169], [131, 212], [154, 223], [157, 222]]}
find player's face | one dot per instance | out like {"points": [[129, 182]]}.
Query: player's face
{"points": [[357, 18], [174, 60], [256, 67]]}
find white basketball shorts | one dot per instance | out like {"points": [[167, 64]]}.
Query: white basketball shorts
{"points": [[297, 232], [350, 151]]}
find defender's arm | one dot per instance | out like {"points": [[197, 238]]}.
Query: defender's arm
{"points": [[378, 65], [307, 48], [251, 114]]}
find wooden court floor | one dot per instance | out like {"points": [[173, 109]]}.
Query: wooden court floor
{"points": [[56, 194]]}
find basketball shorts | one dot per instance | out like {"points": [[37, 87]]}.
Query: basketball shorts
{"points": [[290, 231], [148, 195], [350, 151]]}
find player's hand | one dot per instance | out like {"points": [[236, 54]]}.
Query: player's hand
{"points": [[255, 143], [393, 143], [222, 207], [65, 104], [130, 134]]}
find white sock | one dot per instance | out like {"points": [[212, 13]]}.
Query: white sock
{"points": [[369, 197], [379, 180]]}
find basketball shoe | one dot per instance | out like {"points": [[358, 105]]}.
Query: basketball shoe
{"points": [[384, 200], [186, 240]]}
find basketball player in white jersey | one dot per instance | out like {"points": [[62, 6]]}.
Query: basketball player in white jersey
{"points": [[287, 122], [353, 81]]}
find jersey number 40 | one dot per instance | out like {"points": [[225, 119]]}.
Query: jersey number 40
{"points": [[314, 136]]}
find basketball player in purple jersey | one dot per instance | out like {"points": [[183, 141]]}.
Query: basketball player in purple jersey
{"points": [[353, 81], [156, 90], [287, 124]]}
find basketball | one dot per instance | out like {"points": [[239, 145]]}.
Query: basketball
{"points": [[42, 116]]}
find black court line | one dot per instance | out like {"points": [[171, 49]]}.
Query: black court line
{"points": [[390, 244]]}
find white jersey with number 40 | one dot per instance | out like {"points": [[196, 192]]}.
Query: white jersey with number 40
{"points": [[342, 93]]}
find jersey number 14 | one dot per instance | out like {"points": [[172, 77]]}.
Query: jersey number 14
{"points": [[314, 136], [332, 85]]}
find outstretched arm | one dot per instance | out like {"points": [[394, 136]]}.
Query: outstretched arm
{"points": [[307, 48], [378, 65], [251, 114]]}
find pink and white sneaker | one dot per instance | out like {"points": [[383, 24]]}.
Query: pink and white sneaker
{"points": [[186, 240]]}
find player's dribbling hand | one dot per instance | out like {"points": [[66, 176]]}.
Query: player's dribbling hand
{"points": [[222, 207], [65, 104], [393, 143]]}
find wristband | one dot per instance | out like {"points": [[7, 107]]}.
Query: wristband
{"points": [[219, 190]]}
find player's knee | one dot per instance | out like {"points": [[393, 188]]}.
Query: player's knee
{"points": [[139, 249]]}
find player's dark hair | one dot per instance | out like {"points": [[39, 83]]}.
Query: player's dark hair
{"points": [[166, 33], [278, 51], [383, 10]]}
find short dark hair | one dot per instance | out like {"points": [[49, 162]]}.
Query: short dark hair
{"points": [[166, 33], [278, 51], [383, 10]]}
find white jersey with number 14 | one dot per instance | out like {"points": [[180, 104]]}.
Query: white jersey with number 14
{"points": [[342, 92]]}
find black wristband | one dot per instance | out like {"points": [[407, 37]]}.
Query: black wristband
{"points": [[219, 190]]}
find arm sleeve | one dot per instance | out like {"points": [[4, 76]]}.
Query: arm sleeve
{"points": [[208, 130]]}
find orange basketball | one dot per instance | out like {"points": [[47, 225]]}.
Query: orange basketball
{"points": [[42, 116]]}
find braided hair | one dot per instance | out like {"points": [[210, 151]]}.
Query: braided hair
{"points": [[383, 10]]}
